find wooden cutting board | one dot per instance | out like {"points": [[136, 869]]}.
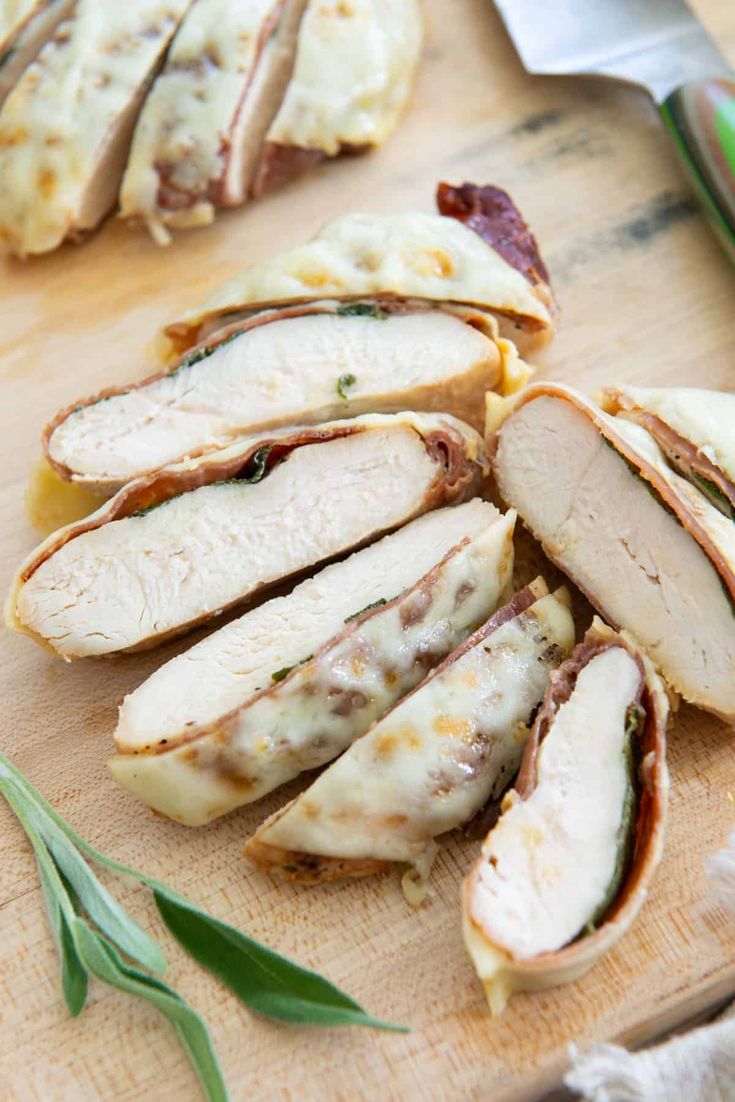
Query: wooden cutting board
{"points": [[647, 297]]}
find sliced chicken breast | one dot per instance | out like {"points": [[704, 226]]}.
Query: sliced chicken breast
{"points": [[693, 428], [173, 549], [200, 133], [354, 70], [566, 868], [358, 257], [432, 761], [66, 127], [25, 26], [297, 366], [291, 684], [650, 552]]}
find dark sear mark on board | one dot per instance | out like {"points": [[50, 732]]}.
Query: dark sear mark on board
{"points": [[645, 222], [542, 120], [662, 212], [582, 143]]}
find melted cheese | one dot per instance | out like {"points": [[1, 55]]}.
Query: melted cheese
{"points": [[354, 68], [24, 28], [433, 761], [704, 417], [186, 130], [52, 503], [66, 126], [549, 860], [411, 255], [327, 702]]}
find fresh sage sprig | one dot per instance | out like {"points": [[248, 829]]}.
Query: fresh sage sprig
{"points": [[84, 949], [104, 942]]}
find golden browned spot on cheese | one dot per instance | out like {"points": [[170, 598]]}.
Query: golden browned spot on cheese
{"points": [[238, 782], [9, 138], [357, 664], [533, 836], [391, 740], [434, 262], [318, 278], [46, 182], [457, 728], [521, 733], [412, 739], [386, 744]]}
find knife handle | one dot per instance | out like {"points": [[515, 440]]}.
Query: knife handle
{"points": [[700, 116]]}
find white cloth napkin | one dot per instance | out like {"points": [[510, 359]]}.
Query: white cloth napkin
{"points": [[696, 1067]]}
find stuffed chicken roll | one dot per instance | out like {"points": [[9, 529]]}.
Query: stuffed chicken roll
{"points": [[292, 683], [650, 551], [171, 550], [432, 761], [566, 868], [298, 365], [694, 429]]}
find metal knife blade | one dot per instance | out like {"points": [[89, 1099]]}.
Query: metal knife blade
{"points": [[656, 44]]}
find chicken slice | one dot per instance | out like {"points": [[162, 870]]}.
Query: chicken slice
{"points": [[566, 868], [643, 544], [200, 133], [432, 761], [171, 550], [354, 70], [66, 128], [292, 683], [300, 366]]}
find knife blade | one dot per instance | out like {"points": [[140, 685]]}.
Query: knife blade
{"points": [[660, 46]]}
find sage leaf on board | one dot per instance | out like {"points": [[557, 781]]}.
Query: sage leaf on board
{"points": [[265, 981], [93, 897], [73, 976]]}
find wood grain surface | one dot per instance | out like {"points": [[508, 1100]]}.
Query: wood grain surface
{"points": [[647, 296]]}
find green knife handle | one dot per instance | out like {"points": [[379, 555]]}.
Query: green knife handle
{"points": [[701, 118]]}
